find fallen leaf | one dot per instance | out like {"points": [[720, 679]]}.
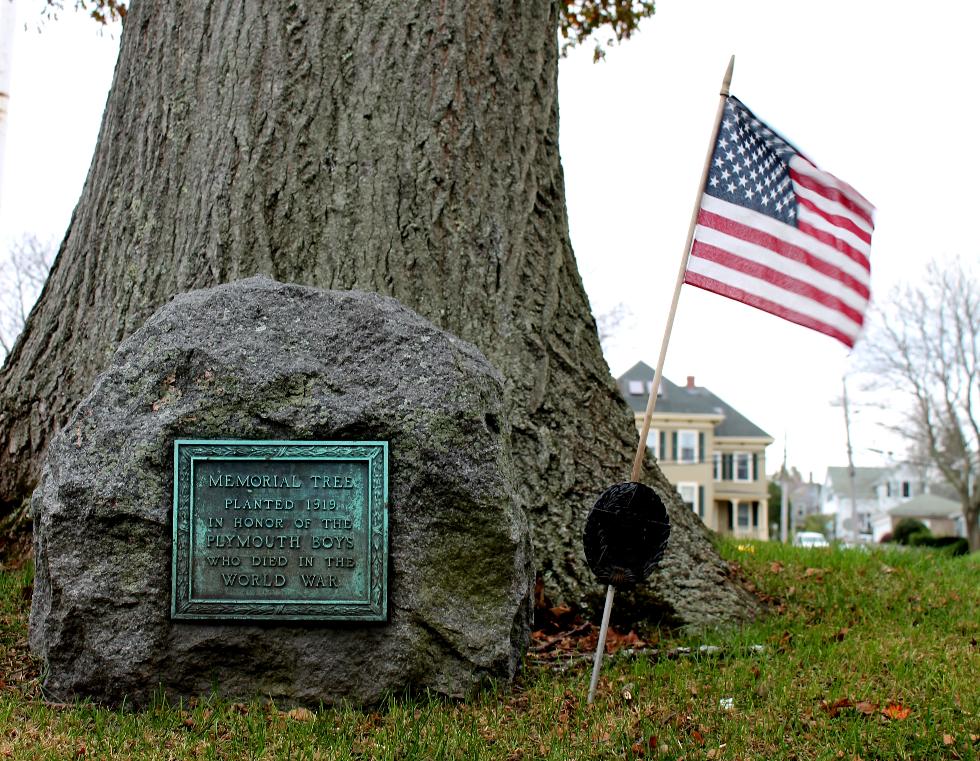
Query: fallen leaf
{"points": [[713, 753], [785, 641], [301, 714], [948, 740], [839, 636], [653, 742], [560, 611], [616, 641], [698, 737], [833, 709], [866, 708], [776, 567], [896, 711], [814, 572]]}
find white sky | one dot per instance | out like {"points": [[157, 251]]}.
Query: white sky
{"points": [[880, 93]]}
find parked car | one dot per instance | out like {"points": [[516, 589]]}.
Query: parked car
{"points": [[810, 539]]}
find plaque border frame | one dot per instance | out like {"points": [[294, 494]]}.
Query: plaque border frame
{"points": [[374, 608]]}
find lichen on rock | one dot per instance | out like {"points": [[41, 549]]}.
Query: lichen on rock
{"points": [[261, 360]]}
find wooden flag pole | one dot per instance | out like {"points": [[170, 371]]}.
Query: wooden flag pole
{"points": [[658, 375], [600, 647]]}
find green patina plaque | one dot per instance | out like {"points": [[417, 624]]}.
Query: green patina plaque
{"points": [[280, 530]]}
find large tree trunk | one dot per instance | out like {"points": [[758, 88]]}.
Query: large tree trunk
{"points": [[971, 516], [410, 149]]}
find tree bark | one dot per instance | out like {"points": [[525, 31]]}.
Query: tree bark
{"points": [[971, 516], [409, 149]]}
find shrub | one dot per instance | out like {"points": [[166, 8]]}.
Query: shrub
{"points": [[906, 528], [957, 548], [949, 545], [886, 538], [919, 539]]}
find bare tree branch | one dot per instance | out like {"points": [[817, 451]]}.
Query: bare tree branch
{"points": [[22, 277], [925, 344], [612, 322]]}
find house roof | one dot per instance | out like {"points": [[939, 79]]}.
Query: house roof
{"points": [[865, 480], [927, 506], [805, 495], [694, 401]]}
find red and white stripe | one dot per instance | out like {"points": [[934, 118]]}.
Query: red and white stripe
{"points": [[816, 274]]}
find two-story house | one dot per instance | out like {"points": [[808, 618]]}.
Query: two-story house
{"points": [[864, 509], [714, 455]]}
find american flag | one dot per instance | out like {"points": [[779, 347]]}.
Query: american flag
{"points": [[775, 232]]}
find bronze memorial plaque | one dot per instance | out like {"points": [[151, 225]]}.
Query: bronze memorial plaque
{"points": [[280, 530]]}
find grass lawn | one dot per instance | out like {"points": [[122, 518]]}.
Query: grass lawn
{"points": [[870, 655]]}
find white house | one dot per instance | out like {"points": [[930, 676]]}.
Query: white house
{"points": [[862, 506], [943, 517]]}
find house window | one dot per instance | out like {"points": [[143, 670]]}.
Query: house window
{"points": [[636, 387], [716, 466], [743, 515], [906, 488], [743, 467], [726, 466], [653, 442], [688, 446], [864, 522], [689, 496]]}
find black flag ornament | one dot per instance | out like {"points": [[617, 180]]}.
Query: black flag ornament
{"points": [[626, 534]]}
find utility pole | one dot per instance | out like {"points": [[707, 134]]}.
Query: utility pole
{"points": [[850, 465], [783, 500]]}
